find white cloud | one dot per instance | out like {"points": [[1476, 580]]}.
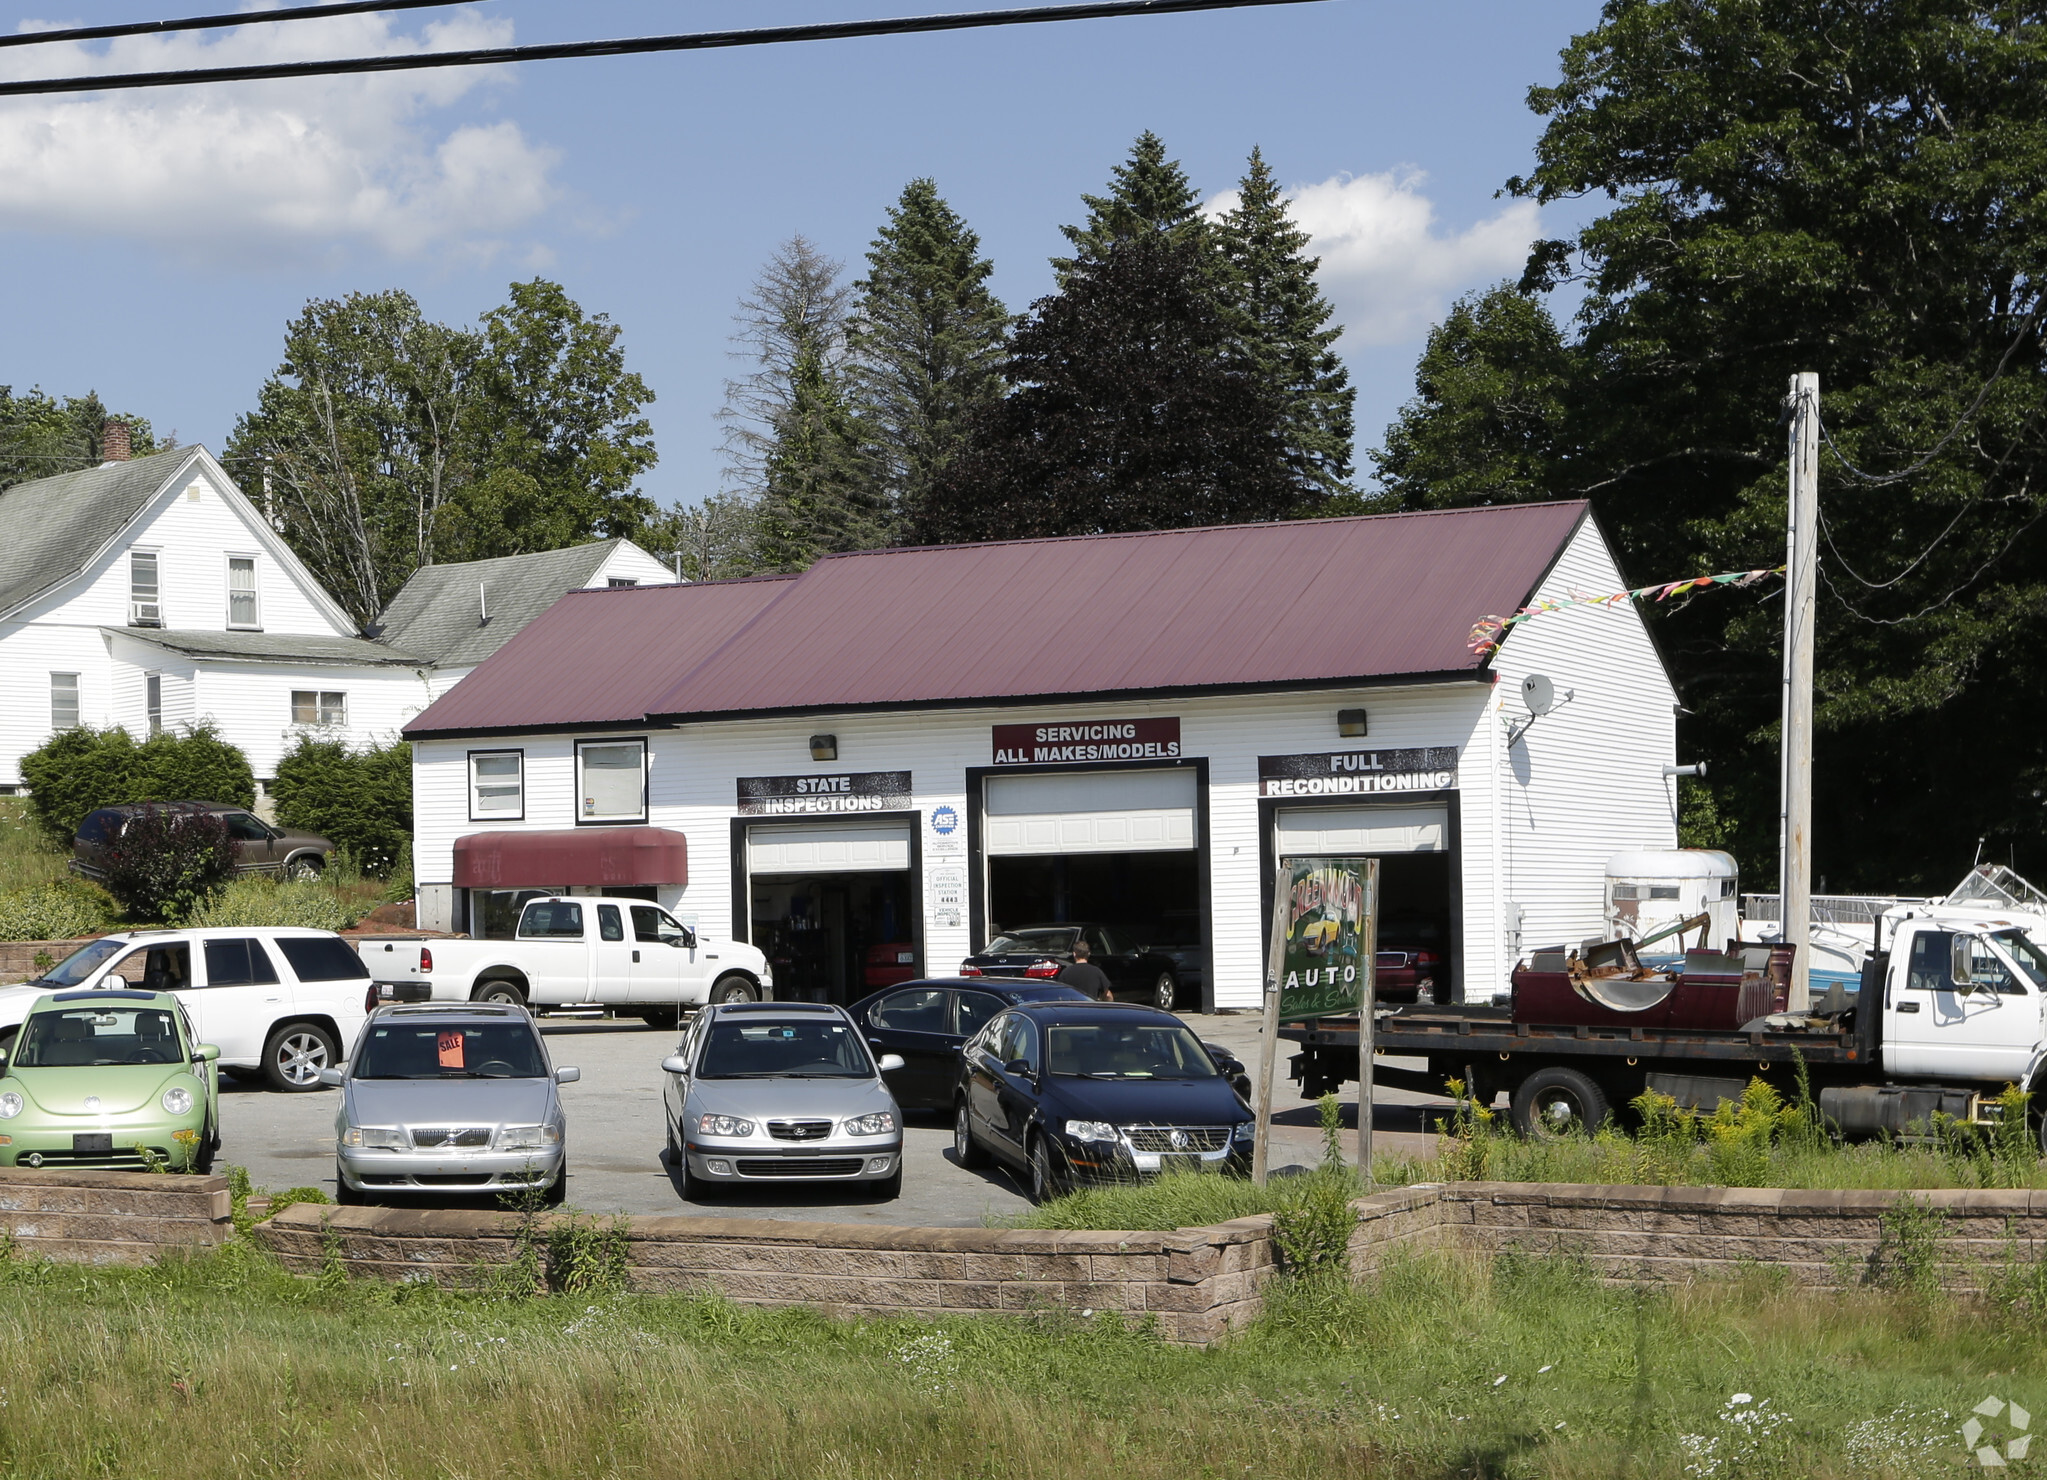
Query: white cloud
{"points": [[251, 171], [1386, 267]]}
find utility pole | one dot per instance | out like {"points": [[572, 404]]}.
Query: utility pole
{"points": [[1801, 564]]}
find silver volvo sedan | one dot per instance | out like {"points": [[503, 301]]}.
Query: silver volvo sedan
{"points": [[781, 1092], [449, 1098]]}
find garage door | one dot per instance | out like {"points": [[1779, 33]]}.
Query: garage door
{"points": [[1310, 831], [827, 847], [1091, 812]]}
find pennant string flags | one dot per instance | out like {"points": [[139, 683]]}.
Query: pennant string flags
{"points": [[1487, 633]]}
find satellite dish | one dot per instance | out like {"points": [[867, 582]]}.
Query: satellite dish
{"points": [[1538, 693]]}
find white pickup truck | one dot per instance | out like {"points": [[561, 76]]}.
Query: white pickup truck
{"points": [[585, 951]]}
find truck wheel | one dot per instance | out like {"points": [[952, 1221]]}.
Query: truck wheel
{"points": [[295, 1054], [732, 989], [507, 994], [1552, 1103], [303, 870]]}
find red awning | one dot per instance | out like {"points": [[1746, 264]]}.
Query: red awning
{"points": [[581, 855]]}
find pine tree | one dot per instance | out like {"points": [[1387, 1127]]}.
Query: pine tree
{"points": [[1283, 322], [1133, 410], [1149, 193], [926, 338], [820, 493]]}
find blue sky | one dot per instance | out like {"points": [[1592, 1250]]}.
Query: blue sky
{"points": [[156, 243]]}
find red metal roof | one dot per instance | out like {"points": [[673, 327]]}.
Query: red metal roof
{"points": [[1308, 602], [1235, 606], [598, 657], [577, 855]]}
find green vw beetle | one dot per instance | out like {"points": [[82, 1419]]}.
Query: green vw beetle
{"points": [[109, 1079]]}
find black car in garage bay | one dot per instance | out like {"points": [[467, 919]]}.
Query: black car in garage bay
{"points": [[1136, 972], [927, 1022]]}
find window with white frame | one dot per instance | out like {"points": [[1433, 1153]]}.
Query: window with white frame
{"points": [[319, 707], [611, 781], [617, 581], [497, 785], [243, 608], [63, 701], [145, 589], [152, 701]]}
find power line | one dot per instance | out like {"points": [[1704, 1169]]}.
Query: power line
{"points": [[219, 22], [629, 46]]}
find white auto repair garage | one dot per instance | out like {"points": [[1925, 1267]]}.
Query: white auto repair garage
{"points": [[874, 768]]}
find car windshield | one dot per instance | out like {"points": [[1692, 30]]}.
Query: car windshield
{"points": [[415, 1050], [1126, 1051], [2029, 957], [820, 1049], [81, 964], [79, 1036], [1034, 940]]}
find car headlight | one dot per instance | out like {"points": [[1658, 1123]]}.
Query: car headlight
{"points": [[528, 1138], [724, 1125], [388, 1137], [10, 1105], [178, 1100], [1090, 1130], [880, 1123], [1243, 1130]]}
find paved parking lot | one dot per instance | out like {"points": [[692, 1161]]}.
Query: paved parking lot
{"points": [[616, 1161]]}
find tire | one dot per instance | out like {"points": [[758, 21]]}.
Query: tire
{"points": [[345, 1195], [733, 989], [557, 1191], [889, 1188], [1551, 1103], [209, 1145], [303, 870], [508, 994], [661, 1019], [295, 1053], [693, 1187], [969, 1151], [1162, 991], [1045, 1180]]}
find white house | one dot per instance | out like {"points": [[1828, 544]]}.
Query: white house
{"points": [[150, 592], [876, 765]]}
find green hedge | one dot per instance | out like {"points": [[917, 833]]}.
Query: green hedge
{"points": [[254, 900], [81, 770], [53, 912], [359, 799]]}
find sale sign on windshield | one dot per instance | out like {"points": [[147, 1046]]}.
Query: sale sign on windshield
{"points": [[1326, 915]]}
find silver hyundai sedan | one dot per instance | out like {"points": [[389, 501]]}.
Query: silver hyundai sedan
{"points": [[781, 1092], [449, 1098]]}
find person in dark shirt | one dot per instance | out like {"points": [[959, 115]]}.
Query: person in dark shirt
{"points": [[1084, 976]]}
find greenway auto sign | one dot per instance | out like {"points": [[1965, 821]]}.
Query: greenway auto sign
{"points": [[1343, 773], [801, 796], [1087, 740], [1324, 909]]}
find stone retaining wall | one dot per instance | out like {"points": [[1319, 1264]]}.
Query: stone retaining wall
{"points": [[110, 1217], [18, 957], [1196, 1282]]}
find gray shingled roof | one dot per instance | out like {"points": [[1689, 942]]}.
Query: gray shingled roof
{"points": [[54, 526], [435, 614], [273, 647]]}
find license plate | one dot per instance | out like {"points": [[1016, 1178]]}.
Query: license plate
{"points": [[93, 1142], [1171, 1162]]}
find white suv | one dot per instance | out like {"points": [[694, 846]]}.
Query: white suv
{"points": [[283, 1000]]}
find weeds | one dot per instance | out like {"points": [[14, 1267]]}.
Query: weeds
{"points": [[1908, 1252]]}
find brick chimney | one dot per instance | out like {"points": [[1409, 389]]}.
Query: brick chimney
{"points": [[114, 442]]}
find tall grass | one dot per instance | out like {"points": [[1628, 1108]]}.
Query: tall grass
{"points": [[223, 1367], [27, 858]]}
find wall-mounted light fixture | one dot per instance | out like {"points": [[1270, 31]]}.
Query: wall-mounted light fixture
{"points": [[1350, 723], [824, 747], [1697, 768]]}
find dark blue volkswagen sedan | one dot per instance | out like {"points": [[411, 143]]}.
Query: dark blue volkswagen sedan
{"points": [[1095, 1091], [928, 1022]]}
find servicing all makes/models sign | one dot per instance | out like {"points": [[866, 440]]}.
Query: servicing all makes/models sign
{"points": [[1088, 740]]}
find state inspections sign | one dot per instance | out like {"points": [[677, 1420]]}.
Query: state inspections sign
{"points": [[812, 796], [1323, 934]]}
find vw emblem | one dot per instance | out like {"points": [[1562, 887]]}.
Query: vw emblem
{"points": [[92, 1102], [1179, 1140]]}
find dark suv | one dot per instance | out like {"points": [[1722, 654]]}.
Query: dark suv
{"points": [[283, 852]]}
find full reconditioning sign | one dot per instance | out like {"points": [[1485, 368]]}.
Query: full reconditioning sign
{"points": [[1350, 773]]}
